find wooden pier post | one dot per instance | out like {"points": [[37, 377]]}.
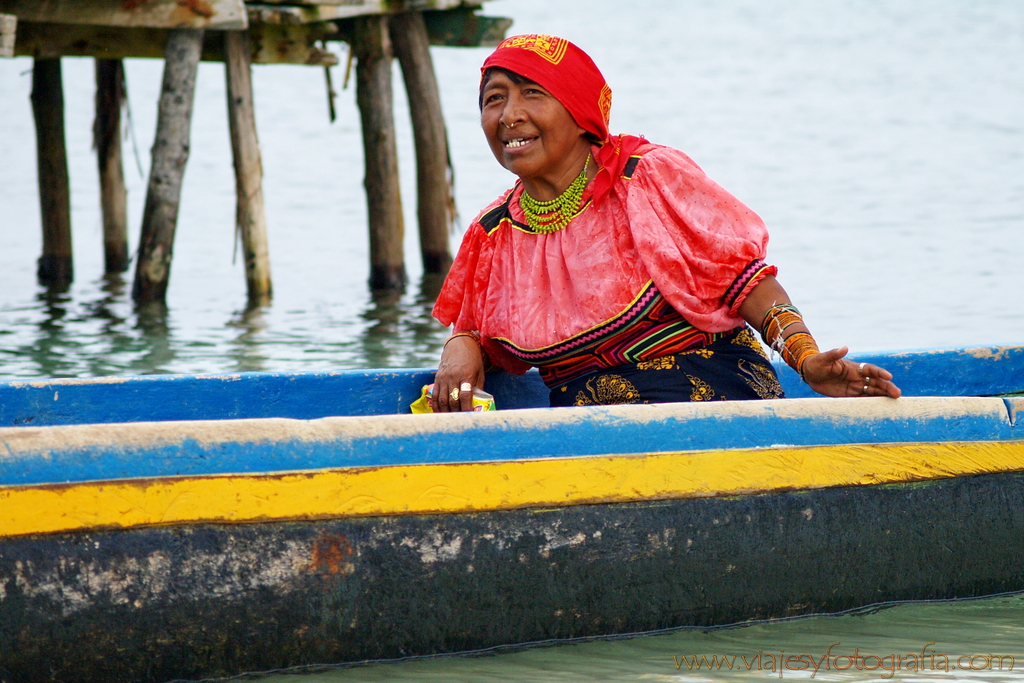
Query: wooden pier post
{"points": [[8, 31], [107, 141], [372, 48], [435, 203], [56, 264], [170, 153], [251, 218]]}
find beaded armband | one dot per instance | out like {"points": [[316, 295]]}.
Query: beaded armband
{"points": [[796, 347]]}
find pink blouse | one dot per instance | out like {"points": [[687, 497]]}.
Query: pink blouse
{"points": [[665, 227]]}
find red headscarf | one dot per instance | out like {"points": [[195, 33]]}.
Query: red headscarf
{"points": [[571, 76]]}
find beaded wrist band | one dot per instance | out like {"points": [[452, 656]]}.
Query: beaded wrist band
{"points": [[797, 348], [794, 348], [777, 319]]}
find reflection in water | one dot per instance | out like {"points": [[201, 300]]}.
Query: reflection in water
{"points": [[401, 332], [383, 316], [50, 352], [91, 336], [96, 330], [248, 353], [106, 310], [155, 343]]}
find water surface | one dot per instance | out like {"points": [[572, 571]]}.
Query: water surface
{"points": [[883, 143], [979, 640]]}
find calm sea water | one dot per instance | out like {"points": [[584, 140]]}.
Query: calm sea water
{"points": [[883, 143], [968, 641]]}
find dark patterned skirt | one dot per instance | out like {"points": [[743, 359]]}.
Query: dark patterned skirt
{"points": [[734, 368]]}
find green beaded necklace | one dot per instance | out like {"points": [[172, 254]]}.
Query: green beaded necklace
{"points": [[555, 214]]}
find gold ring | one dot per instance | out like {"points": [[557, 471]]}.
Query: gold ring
{"points": [[454, 394]]}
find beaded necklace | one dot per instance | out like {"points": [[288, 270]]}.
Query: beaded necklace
{"points": [[555, 214]]}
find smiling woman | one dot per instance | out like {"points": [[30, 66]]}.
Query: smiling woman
{"points": [[614, 265], [548, 150]]}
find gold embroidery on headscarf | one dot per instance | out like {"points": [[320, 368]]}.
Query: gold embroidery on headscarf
{"points": [[551, 48], [604, 103], [703, 353], [702, 391]]}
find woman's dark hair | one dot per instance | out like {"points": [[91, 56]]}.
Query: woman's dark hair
{"points": [[518, 80], [512, 76]]}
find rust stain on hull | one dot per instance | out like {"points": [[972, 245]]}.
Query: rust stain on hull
{"points": [[331, 554]]}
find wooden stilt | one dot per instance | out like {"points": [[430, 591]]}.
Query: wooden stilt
{"points": [[8, 31], [56, 264], [436, 205], [372, 47], [107, 141], [251, 218], [170, 153]]}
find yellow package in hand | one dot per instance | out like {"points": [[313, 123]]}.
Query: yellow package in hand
{"points": [[481, 401]]}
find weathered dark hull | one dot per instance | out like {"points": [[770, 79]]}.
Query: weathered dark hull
{"points": [[154, 604]]}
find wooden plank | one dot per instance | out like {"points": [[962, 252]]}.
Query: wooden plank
{"points": [[213, 14], [251, 218], [278, 36], [273, 12], [271, 44], [170, 153], [215, 601], [102, 42], [449, 23], [362, 7], [440, 489], [309, 395], [207, 447], [306, 14], [8, 31], [290, 44], [465, 28]]}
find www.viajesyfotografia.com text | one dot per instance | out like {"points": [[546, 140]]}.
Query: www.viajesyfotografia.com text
{"points": [[887, 666]]}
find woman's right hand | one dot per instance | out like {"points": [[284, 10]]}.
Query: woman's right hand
{"points": [[462, 368]]}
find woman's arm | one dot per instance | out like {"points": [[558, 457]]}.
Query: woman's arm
{"points": [[828, 373]]}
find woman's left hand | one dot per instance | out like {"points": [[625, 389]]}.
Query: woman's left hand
{"points": [[831, 374], [460, 371]]}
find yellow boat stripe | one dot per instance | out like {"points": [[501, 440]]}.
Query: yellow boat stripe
{"points": [[476, 487]]}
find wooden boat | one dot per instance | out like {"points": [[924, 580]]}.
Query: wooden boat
{"points": [[183, 527]]}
